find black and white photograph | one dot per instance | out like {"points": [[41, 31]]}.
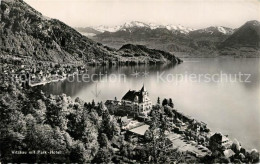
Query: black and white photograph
{"points": [[129, 81]]}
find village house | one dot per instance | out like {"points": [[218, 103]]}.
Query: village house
{"points": [[219, 141]]}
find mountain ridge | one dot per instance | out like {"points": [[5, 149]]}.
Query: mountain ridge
{"points": [[138, 24], [143, 52], [26, 33], [206, 42], [245, 41]]}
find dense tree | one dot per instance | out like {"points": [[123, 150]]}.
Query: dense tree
{"points": [[12, 130], [156, 138], [40, 113], [79, 153], [127, 150], [93, 104], [52, 123], [55, 113], [104, 155], [103, 140], [109, 125], [165, 102], [100, 108], [171, 103], [148, 135], [254, 156], [168, 111]]}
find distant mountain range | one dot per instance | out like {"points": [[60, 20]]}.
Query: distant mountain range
{"points": [[182, 41], [134, 24], [88, 31], [26, 33], [130, 26]]}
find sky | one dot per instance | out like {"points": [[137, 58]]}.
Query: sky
{"points": [[190, 13]]}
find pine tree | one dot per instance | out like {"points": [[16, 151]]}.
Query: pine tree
{"points": [[158, 100], [93, 103], [171, 103], [164, 102]]}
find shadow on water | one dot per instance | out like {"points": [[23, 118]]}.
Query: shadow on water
{"points": [[77, 83]]}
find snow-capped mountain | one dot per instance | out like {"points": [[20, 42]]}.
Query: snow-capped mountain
{"points": [[180, 28], [155, 26], [134, 24], [125, 26], [224, 30], [137, 24], [102, 28], [215, 30], [152, 26], [177, 38], [246, 36]]}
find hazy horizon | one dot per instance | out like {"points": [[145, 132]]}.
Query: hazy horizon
{"points": [[189, 13]]}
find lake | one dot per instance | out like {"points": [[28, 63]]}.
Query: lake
{"points": [[222, 92]]}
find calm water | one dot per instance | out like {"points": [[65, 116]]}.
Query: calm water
{"points": [[231, 107]]}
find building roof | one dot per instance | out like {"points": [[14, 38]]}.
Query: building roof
{"points": [[143, 89], [125, 119], [228, 153], [140, 130], [112, 102], [168, 142], [219, 137], [132, 94]]}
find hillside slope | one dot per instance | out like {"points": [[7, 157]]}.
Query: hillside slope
{"points": [[27, 33], [244, 42], [144, 54]]}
